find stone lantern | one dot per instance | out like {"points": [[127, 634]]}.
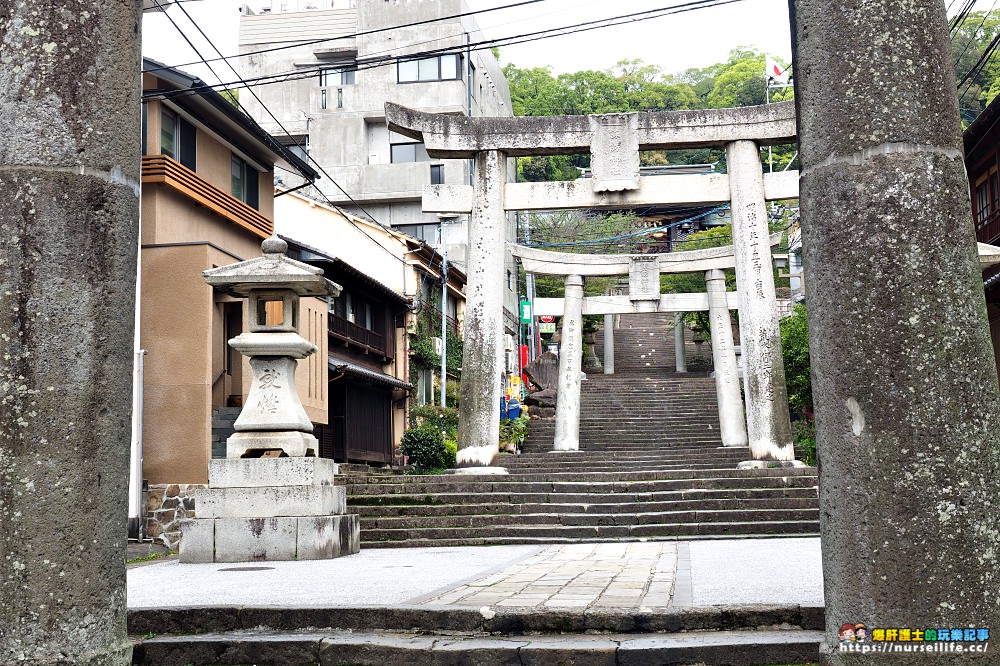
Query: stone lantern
{"points": [[273, 419], [271, 497]]}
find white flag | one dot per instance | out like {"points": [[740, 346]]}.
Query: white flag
{"points": [[775, 72]]}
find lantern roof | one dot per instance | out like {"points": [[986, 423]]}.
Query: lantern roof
{"points": [[273, 271]]}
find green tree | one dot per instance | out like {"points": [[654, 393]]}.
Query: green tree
{"points": [[968, 43]]}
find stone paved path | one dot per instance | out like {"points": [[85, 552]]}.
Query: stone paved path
{"points": [[577, 576]]}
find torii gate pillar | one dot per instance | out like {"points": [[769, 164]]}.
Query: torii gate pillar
{"points": [[768, 425], [567, 436], [482, 360]]}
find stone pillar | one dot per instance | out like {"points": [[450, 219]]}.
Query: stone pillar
{"points": [[69, 210], [904, 382], [609, 344], [680, 353], [567, 437], [482, 357], [768, 426], [727, 380]]}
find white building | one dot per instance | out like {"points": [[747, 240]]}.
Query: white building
{"points": [[342, 53]]}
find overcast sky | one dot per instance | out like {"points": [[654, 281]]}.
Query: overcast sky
{"points": [[674, 43]]}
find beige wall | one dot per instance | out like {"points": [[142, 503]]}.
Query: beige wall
{"points": [[311, 375], [176, 332], [170, 217]]}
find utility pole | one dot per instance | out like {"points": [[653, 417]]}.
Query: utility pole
{"points": [[444, 319], [69, 210]]}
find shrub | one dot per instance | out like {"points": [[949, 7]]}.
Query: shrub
{"points": [[424, 447], [795, 354], [451, 447], [512, 433], [804, 436], [442, 418]]}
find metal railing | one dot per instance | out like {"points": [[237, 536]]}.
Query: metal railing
{"points": [[351, 332], [988, 226]]}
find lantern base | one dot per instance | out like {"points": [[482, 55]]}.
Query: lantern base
{"points": [[287, 443]]}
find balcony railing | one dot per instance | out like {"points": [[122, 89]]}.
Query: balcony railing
{"points": [[164, 170], [350, 332], [988, 226]]}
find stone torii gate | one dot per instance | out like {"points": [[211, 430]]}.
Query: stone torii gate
{"points": [[614, 141], [644, 296]]}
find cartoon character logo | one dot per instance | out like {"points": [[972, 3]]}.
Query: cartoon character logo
{"points": [[860, 633], [847, 633]]}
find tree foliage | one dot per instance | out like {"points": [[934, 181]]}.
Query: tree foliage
{"points": [[632, 85], [968, 42]]}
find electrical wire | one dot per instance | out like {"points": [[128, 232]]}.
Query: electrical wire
{"points": [[351, 36], [485, 44], [322, 170]]}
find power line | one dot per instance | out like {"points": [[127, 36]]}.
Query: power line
{"points": [[979, 66], [351, 36], [485, 44], [320, 167]]}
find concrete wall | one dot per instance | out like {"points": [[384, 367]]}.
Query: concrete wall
{"points": [[349, 137]]}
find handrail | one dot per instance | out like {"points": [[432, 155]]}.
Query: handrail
{"points": [[164, 170], [360, 335]]}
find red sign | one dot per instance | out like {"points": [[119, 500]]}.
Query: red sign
{"points": [[546, 319]]}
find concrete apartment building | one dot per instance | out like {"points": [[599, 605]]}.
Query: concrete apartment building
{"points": [[344, 50]]}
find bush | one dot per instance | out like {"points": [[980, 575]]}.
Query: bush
{"points": [[442, 418], [424, 447], [795, 354], [804, 436], [512, 433], [451, 447]]}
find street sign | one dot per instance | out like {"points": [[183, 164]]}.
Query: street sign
{"points": [[525, 312], [547, 327]]}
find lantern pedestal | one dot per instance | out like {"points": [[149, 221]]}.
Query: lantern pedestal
{"points": [[271, 498]]}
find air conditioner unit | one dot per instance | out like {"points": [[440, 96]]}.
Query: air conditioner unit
{"points": [[438, 346], [508, 342]]}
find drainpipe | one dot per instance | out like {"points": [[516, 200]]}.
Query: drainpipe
{"points": [[136, 505]]}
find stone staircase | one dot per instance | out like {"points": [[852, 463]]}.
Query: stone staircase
{"points": [[650, 467]]}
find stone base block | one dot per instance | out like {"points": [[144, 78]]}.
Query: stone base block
{"points": [[478, 470], [295, 444], [197, 541], [271, 501], [328, 537], [769, 464], [263, 472], [254, 539], [270, 539]]}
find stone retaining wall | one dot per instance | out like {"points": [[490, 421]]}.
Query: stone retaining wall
{"points": [[166, 506]]}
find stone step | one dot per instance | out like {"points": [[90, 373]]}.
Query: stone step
{"points": [[378, 648], [355, 502], [560, 519], [597, 481], [524, 492], [788, 498], [542, 533]]}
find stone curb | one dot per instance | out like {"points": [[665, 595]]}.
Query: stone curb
{"points": [[328, 648], [188, 620]]}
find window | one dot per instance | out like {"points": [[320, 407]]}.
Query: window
{"points": [[178, 139], [409, 151], [298, 145], [338, 76], [425, 232], [437, 174], [437, 68], [245, 182]]}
